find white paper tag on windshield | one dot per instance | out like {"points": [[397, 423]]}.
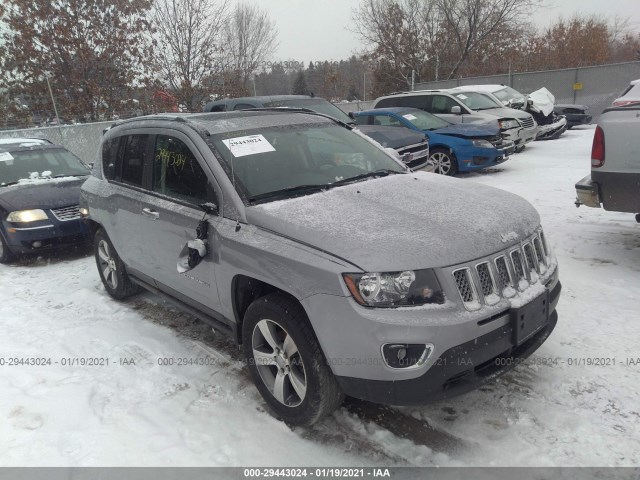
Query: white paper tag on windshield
{"points": [[6, 157], [408, 116], [250, 145], [462, 96]]}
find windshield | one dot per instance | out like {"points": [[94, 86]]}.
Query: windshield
{"points": [[424, 120], [477, 101], [303, 157], [33, 164], [508, 93], [316, 104]]}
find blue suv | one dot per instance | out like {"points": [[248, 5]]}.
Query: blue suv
{"points": [[453, 147]]}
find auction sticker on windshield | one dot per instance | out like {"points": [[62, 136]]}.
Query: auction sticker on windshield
{"points": [[250, 145], [408, 116]]}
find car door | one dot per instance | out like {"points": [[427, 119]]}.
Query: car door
{"points": [[180, 181], [124, 163]]}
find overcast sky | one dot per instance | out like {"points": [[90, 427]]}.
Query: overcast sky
{"points": [[319, 29]]}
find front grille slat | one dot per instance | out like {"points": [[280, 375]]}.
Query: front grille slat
{"points": [[66, 214], [464, 282], [503, 272], [529, 255], [487, 286], [538, 251], [527, 122], [516, 260]]}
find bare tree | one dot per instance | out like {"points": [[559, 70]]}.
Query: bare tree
{"points": [[401, 32], [471, 22], [190, 45], [250, 36]]}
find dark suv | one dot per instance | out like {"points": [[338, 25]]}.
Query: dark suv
{"points": [[338, 270]]}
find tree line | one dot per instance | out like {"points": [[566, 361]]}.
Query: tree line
{"points": [[104, 59]]}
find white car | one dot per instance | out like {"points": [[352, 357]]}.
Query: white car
{"points": [[630, 97]]}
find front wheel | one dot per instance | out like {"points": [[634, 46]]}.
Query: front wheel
{"points": [[443, 161], [111, 268], [286, 362], [6, 256]]}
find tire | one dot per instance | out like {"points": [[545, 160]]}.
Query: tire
{"points": [[6, 255], [443, 161], [113, 272], [286, 362]]}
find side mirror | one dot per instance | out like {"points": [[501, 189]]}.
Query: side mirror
{"points": [[210, 208], [456, 110], [351, 116], [111, 171]]}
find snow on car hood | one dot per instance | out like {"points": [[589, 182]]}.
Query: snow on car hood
{"points": [[41, 193], [470, 130], [400, 222]]}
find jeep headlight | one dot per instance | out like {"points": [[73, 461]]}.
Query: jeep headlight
{"points": [[482, 143], [394, 289], [26, 216], [507, 124]]}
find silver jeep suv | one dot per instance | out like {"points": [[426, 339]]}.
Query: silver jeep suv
{"points": [[337, 270]]}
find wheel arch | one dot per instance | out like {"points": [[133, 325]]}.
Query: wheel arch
{"points": [[244, 291]]}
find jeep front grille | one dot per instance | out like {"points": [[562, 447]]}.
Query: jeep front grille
{"points": [[66, 213], [502, 274]]}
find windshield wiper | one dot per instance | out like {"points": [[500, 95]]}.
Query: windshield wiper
{"points": [[6, 184], [289, 191], [378, 173], [60, 175]]}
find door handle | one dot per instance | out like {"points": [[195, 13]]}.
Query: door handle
{"points": [[147, 212]]}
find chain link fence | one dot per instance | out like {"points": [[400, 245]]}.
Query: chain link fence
{"points": [[595, 87]]}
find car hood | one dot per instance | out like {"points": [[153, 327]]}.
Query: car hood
{"points": [[507, 112], [392, 137], [470, 130], [45, 194], [401, 222]]}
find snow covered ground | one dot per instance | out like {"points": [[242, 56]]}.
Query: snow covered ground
{"points": [[554, 414]]}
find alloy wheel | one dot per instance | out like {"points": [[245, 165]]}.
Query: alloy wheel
{"points": [[279, 363], [441, 162], [107, 265]]}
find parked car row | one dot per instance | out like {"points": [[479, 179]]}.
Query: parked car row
{"points": [[279, 225]]}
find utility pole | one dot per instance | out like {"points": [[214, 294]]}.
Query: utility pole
{"points": [[413, 80], [55, 109]]}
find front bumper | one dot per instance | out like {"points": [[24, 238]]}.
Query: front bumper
{"points": [[575, 119], [45, 235], [476, 158], [553, 130], [520, 136], [460, 369]]}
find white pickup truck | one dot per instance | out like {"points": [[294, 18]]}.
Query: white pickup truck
{"points": [[614, 182]]}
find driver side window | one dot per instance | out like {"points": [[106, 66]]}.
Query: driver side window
{"points": [[177, 173]]}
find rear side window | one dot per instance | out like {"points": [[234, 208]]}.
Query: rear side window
{"points": [[134, 151], [243, 106], [218, 108], [177, 173], [110, 157], [423, 102], [442, 104]]}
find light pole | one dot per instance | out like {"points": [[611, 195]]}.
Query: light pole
{"points": [[55, 109]]}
